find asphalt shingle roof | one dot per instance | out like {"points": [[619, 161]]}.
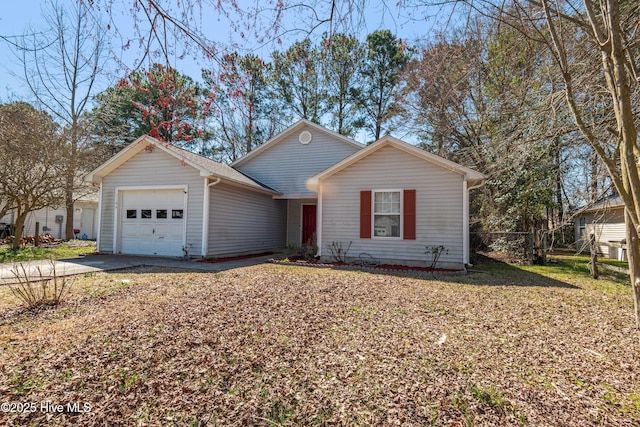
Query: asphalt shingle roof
{"points": [[219, 169]]}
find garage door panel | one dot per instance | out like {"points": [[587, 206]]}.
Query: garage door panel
{"points": [[151, 222], [137, 246], [171, 231], [167, 247]]}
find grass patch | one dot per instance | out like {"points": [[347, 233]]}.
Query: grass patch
{"points": [[31, 253], [621, 264], [491, 396], [561, 271], [578, 267]]}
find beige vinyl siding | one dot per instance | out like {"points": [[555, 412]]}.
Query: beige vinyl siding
{"points": [[582, 236], [607, 225], [439, 207], [47, 218], [87, 219], [294, 219], [149, 169], [287, 165], [242, 221]]}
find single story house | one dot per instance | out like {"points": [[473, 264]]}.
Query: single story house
{"points": [[308, 185], [53, 219], [605, 220]]}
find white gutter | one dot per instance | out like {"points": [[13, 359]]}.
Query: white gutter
{"points": [[205, 214]]}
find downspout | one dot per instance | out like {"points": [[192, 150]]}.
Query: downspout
{"points": [[205, 214], [319, 221], [465, 214], [465, 223], [99, 222]]}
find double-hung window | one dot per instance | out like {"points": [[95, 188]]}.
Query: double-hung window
{"points": [[582, 227], [387, 213]]}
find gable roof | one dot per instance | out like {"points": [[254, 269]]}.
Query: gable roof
{"points": [[290, 130], [474, 178], [206, 167], [608, 202]]}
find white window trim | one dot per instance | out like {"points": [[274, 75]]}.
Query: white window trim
{"points": [[373, 214]]}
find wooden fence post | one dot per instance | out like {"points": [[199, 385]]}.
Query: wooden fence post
{"points": [[594, 256]]}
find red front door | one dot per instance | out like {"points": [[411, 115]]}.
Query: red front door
{"points": [[308, 224]]}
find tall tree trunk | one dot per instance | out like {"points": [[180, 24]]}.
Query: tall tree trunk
{"points": [[68, 228], [70, 179], [593, 190], [633, 255], [593, 250], [560, 208], [19, 224], [605, 21], [619, 82], [68, 200]]}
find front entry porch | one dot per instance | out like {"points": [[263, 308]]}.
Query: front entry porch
{"points": [[301, 222]]}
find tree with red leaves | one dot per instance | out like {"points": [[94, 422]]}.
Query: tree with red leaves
{"points": [[170, 106], [159, 102]]}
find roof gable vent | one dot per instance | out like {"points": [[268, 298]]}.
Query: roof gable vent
{"points": [[305, 137]]}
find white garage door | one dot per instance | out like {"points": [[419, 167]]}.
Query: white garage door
{"points": [[152, 222]]}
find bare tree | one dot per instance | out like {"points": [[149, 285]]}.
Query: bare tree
{"points": [[32, 171], [596, 49], [482, 96], [61, 68], [166, 29]]}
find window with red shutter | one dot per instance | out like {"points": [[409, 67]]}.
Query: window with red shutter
{"points": [[365, 214], [409, 215], [382, 212]]}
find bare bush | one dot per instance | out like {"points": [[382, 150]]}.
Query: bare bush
{"points": [[339, 251], [36, 288]]}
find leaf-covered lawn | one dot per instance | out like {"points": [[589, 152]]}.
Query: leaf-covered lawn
{"points": [[279, 345]]}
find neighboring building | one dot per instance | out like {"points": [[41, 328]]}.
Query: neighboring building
{"points": [[307, 185], [605, 220], [53, 219]]}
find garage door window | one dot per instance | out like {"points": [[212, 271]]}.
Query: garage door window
{"points": [[160, 214]]}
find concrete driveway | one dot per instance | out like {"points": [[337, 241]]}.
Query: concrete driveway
{"points": [[92, 263]]}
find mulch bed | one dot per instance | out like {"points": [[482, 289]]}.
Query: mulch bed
{"points": [[380, 268], [234, 258]]}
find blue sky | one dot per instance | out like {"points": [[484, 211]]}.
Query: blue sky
{"points": [[16, 17]]}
